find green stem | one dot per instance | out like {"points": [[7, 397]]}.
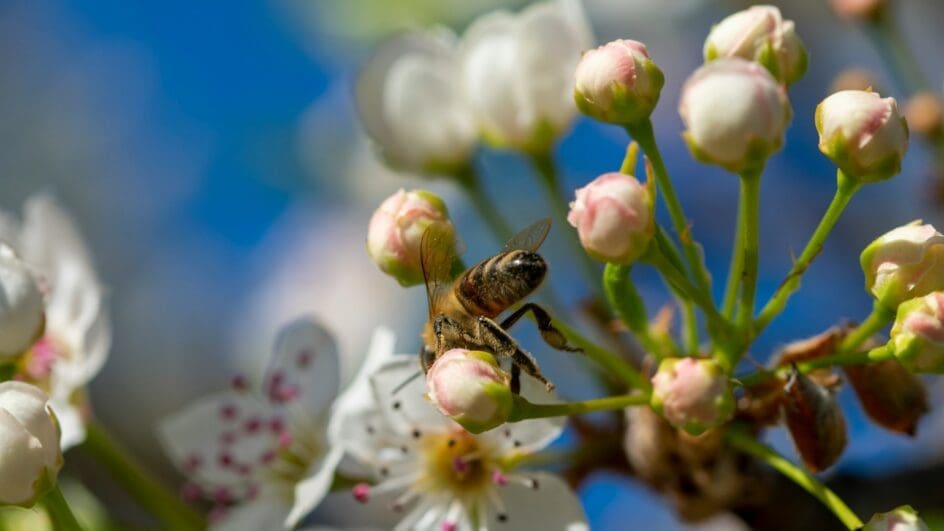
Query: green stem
{"points": [[524, 410], [750, 218], [7, 370], [744, 441], [882, 353], [643, 134], [845, 189], [139, 483], [59, 512], [609, 361], [872, 325], [735, 270], [544, 164], [472, 186], [689, 320], [623, 297]]}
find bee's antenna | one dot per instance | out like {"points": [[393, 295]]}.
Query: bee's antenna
{"points": [[406, 382]]}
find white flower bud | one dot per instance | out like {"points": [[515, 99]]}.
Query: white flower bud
{"points": [[469, 387], [903, 518], [614, 218], [863, 134], [396, 230], [735, 113], [917, 338], [21, 305], [618, 82], [692, 394], [904, 263], [760, 34], [30, 457]]}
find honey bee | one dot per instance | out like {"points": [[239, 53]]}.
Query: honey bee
{"points": [[462, 308]]}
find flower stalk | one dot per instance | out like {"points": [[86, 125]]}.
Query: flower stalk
{"points": [[609, 361], [622, 295], [59, 511], [524, 410]]}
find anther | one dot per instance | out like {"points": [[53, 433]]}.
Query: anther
{"points": [[361, 492]]}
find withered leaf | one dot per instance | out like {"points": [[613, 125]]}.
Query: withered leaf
{"points": [[814, 420]]}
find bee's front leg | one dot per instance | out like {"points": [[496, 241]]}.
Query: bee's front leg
{"points": [[551, 335], [444, 325], [502, 344]]}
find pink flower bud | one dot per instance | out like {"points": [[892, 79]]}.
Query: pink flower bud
{"points": [[904, 263], [614, 218], [469, 387], [858, 9], [735, 113], [759, 33], [917, 338], [863, 134], [30, 457], [903, 518], [692, 394], [396, 229], [618, 82], [21, 305]]}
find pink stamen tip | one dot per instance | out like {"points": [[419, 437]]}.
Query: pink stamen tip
{"points": [[239, 382], [285, 440], [277, 425], [285, 393], [226, 459], [267, 457], [222, 496], [449, 526], [460, 465], [303, 359], [499, 479], [252, 425], [228, 411], [361, 492], [192, 463], [243, 469]]}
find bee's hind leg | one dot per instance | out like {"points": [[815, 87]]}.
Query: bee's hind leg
{"points": [[502, 344], [551, 335]]}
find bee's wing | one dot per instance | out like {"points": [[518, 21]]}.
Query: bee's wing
{"points": [[530, 238], [437, 256]]}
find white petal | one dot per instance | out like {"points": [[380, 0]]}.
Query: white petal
{"points": [[263, 513], [27, 404], [552, 506], [71, 424], [310, 491], [408, 408], [88, 339], [305, 368], [197, 437], [532, 435], [21, 460], [357, 397]]}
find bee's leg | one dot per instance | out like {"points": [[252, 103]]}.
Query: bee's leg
{"points": [[552, 336], [427, 357], [443, 323], [502, 344], [515, 379]]}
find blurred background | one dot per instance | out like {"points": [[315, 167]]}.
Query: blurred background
{"points": [[212, 156]]}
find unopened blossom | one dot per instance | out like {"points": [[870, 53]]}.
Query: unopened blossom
{"points": [[917, 337], [759, 33], [692, 394], [859, 9], [21, 305], [618, 82], [735, 113], [863, 134], [410, 102], [814, 420], [440, 476], [518, 71], [469, 387], [30, 457], [262, 456], [77, 334], [903, 518], [904, 263], [891, 395], [614, 218], [396, 231]]}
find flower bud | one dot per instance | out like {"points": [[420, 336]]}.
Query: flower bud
{"points": [[21, 305], [692, 394], [917, 337], [814, 420], [735, 113], [469, 387], [858, 9], [618, 82], [760, 34], [903, 518], [924, 113], [891, 395], [904, 263], [30, 457], [863, 134], [614, 218], [396, 229]]}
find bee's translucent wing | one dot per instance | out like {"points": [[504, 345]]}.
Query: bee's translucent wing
{"points": [[530, 238], [437, 256]]}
